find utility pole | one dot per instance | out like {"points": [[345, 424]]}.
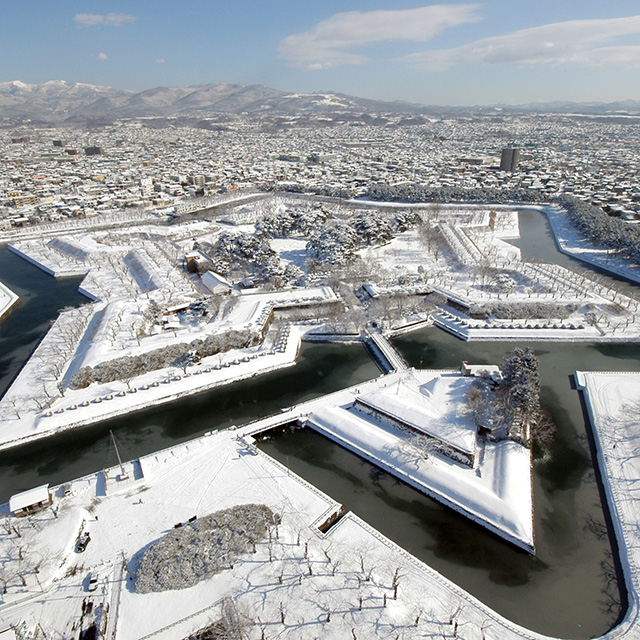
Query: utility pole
{"points": [[123, 475], [126, 566]]}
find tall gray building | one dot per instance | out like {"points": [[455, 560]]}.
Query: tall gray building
{"points": [[509, 159]]}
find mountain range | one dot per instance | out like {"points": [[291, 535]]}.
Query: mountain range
{"points": [[59, 101]]}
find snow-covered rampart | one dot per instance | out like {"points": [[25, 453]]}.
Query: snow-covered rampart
{"points": [[612, 401], [569, 241], [498, 497], [533, 330], [82, 407], [8, 300]]}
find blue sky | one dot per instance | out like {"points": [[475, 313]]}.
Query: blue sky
{"points": [[498, 51]]}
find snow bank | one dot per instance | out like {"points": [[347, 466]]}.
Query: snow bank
{"points": [[8, 300], [612, 401]]}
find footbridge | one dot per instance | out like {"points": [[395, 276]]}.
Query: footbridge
{"points": [[384, 354]]}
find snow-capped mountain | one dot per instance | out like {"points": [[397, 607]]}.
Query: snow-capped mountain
{"points": [[58, 100]]}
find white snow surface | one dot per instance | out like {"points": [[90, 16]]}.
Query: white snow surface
{"points": [[430, 406], [8, 299], [613, 404]]}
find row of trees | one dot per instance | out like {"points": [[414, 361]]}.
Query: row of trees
{"points": [[594, 223], [525, 310], [520, 376], [179, 355]]}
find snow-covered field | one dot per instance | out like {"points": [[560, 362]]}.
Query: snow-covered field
{"points": [[481, 275]]}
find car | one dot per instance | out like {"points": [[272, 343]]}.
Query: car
{"points": [[92, 582], [82, 542]]}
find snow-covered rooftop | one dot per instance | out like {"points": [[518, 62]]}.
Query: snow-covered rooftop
{"points": [[28, 498]]}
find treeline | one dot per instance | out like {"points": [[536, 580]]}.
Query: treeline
{"points": [[181, 355], [506, 310], [603, 229], [426, 193]]}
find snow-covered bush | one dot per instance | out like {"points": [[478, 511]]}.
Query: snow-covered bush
{"points": [[522, 310], [200, 549], [127, 367]]}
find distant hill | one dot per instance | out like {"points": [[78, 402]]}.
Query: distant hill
{"points": [[59, 101]]}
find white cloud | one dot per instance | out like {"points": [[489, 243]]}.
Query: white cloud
{"points": [[109, 19], [160, 60], [581, 42], [328, 43], [103, 56]]}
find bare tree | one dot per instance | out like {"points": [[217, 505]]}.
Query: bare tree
{"points": [[16, 402]]}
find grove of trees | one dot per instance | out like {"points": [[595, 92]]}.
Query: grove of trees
{"points": [[336, 241]]}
